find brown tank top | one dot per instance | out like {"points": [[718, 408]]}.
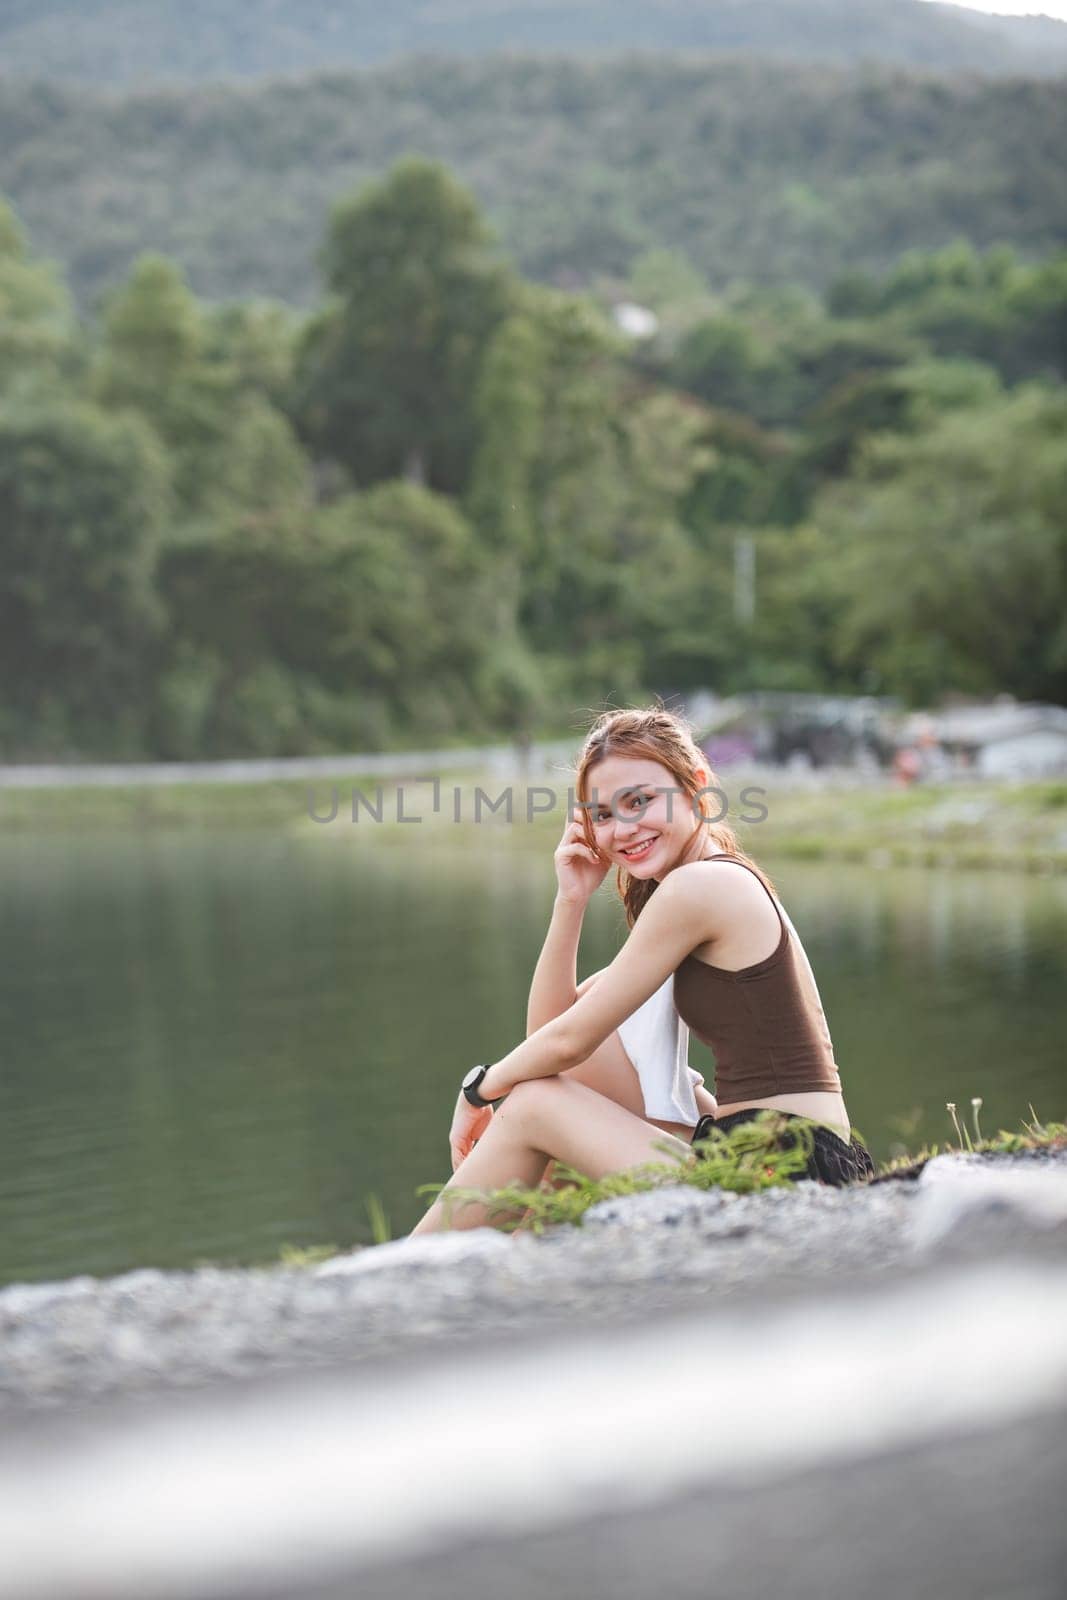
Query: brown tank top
{"points": [[764, 1024]]}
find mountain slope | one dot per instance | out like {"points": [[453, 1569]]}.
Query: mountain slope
{"points": [[125, 42], [754, 170]]}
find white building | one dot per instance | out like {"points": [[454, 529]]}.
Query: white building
{"points": [[1004, 739]]}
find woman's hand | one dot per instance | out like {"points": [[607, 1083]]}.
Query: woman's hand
{"points": [[579, 869], [468, 1124]]}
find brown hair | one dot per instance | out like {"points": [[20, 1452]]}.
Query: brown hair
{"points": [[655, 734]]}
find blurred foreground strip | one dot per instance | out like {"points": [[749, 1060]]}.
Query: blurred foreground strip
{"points": [[292, 1487]]}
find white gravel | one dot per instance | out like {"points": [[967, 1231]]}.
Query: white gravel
{"points": [[84, 1341]]}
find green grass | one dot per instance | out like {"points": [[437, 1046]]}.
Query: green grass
{"points": [[1033, 1135], [294, 1255], [279, 803], [1014, 827], [750, 1157], [1017, 827]]}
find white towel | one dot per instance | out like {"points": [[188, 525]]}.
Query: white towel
{"points": [[657, 1042]]}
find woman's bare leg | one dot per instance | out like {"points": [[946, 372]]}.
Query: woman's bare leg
{"points": [[610, 1072], [550, 1118]]}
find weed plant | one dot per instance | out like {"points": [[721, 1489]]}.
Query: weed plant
{"points": [[763, 1154], [1034, 1135], [766, 1153]]}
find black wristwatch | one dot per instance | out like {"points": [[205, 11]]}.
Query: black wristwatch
{"points": [[473, 1082]]}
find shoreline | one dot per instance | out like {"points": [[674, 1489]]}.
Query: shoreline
{"points": [[88, 1341], [1012, 827]]}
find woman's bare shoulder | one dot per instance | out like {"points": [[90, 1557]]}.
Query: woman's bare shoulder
{"points": [[731, 888]]}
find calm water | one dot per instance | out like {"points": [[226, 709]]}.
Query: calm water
{"points": [[218, 1044]]}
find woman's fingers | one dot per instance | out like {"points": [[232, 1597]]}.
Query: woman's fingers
{"points": [[460, 1149]]}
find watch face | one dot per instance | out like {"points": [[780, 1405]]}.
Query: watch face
{"points": [[474, 1077]]}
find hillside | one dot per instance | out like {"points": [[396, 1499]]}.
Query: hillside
{"points": [[126, 42], [752, 169]]}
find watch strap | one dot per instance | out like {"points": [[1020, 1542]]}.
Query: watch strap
{"points": [[472, 1083]]}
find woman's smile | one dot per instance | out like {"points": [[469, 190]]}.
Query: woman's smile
{"points": [[635, 852]]}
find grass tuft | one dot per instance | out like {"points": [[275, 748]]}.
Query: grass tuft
{"points": [[295, 1255], [380, 1230], [763, 1154], [1034, 1135], [751, 1157]]}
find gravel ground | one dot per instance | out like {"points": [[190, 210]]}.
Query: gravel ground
{"points": [[87, 1341], [809, 1392]]}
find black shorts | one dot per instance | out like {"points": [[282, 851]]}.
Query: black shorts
{"points": [[831, 1161]]}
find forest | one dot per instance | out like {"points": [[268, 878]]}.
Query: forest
{"points": [[755, 171], [113, 42], [446, 501]]}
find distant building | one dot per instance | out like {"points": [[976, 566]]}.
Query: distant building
{"points": [[636, 322], [1002, 739], [796, 730]]}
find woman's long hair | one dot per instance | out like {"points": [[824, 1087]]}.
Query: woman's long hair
{"points": [[656, 734]]}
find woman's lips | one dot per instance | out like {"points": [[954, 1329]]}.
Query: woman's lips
{"points": [[638, 852]]}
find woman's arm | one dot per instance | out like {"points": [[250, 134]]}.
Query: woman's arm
{"points": [[553, 985], [579, 871], [678, 917]]}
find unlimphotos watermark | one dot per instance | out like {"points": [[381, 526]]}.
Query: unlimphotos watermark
{"points": [[522, 804]]}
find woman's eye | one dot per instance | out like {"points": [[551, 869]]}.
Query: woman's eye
{"points": [[627, 804]]}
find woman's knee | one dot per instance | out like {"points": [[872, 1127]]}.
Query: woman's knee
{"points": [[534, 1101]]}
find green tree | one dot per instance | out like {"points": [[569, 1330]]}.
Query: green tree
{"points": [[256, 342], [152, 338], [83, 503], [668, 282], [37, 330], [576, 488], [727, 363], [371, 628], [205, 385], [946, 554], [509, 408], [387, 373], [667, 595]]}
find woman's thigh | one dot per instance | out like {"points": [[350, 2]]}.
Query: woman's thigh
{"points": [[611, 1073], [576, 1125]]}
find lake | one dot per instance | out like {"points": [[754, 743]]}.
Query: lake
{"points": [[220, 1043]]}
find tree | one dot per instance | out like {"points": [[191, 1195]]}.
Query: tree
{"points": [[256, 341], [387, 373], [509, 408], [946, 554], [152, 337], [37, 331], [727, 363], [83, 501], [576, 487], [204, 385], [373, 626]]}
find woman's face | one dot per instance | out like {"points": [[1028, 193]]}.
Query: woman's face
{"points": [[642, 818]]}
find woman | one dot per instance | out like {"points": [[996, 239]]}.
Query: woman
{"points": [[708, 938]]}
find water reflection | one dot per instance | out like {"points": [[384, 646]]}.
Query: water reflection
{"points": [[218, 1044]]}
